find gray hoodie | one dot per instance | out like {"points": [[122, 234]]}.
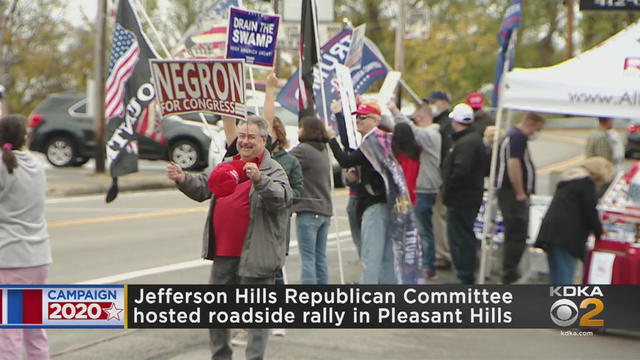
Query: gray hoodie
{"points": [[24, 240], [317, 178], [430, 140]]}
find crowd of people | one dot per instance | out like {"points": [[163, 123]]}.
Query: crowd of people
{"points": [[443, 153], [444, 159]]}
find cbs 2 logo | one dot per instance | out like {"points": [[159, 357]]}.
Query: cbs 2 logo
{"points": [[564, 312]]}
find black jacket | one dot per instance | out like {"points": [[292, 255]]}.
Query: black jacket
{"points": [[371, 189], [571, 217], [463, 171], [446, 132]]}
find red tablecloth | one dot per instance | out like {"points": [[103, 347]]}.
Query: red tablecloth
{"points": [[626, 266]]}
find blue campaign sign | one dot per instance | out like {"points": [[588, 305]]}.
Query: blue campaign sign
{"points": [[252, 37], [334, 51]]}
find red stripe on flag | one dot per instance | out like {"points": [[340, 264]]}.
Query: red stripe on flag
{"points": [[32, 306], [115, 85], [214, 30], [144, 124]]}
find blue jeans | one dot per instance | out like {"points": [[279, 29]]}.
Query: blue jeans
{"points": [[354, 224], [561, 266], [377, 254], [424, 212], [312, 230], [462, 241]]}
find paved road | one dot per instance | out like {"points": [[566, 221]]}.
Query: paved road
{"points": [[138, 234], [154, 237]]}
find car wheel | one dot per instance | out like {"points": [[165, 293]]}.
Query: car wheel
{"points": [[60, 151], [186, 154]]}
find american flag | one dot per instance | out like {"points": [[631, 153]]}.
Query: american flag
{"points": [[206, 38], [124, 57]]}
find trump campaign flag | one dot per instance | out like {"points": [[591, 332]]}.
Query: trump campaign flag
{"points": [[511, 21], [403, 232], [129, 92], [335, 51]]}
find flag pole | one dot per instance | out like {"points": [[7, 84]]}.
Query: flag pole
{"points": [[213, 150], [406, 87], [326, 123], [488, 227], [253, 88], [153, 28]]}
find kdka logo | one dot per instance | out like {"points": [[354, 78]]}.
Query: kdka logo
{"points": [[564, 312]]}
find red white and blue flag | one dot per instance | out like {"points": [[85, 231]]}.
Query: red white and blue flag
{"points": [[129, 93], [122, 61], [206, 38], [511, 21]]}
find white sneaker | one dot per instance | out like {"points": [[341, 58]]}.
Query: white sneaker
{"points": [[278, 332], [240, 338]]}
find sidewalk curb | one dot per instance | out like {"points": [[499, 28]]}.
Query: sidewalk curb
{"points": [[92, 184], [100, 189]]}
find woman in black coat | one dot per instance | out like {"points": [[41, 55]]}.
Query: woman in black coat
{"points": [[571, 217]]}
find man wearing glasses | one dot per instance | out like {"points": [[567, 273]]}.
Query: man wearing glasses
{"points": [[376, 252]]}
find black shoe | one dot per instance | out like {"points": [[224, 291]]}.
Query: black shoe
{"points": [[510, 278]]}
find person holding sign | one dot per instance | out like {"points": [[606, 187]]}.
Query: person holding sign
{"points": [[314, 210], [243, 230], [376, 253], [292, 167], [428, 137]]}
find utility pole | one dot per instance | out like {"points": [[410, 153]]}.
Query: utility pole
{"points": [[569, 29], [98, 115], [398, 62]]}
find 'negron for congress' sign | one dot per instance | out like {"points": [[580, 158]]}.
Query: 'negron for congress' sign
{"points": [[213, 86]]}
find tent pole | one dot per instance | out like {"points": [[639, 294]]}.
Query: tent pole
{"points": [[488, 227]]}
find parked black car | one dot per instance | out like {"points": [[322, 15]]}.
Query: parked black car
{"points": [[61, 128]]}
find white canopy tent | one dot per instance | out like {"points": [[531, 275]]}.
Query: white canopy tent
{"points": [[603, 81]]}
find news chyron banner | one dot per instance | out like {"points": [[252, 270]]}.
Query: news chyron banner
{"points": [[329, 307], [212, 86], [397, 306], [62, 306], [252, 37]]}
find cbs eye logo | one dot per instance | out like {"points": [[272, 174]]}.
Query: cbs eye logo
{"points": [[564, 312]]}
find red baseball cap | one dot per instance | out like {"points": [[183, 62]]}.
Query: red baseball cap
{"points": [[224, 179], [367, 108], [475, 100]]}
